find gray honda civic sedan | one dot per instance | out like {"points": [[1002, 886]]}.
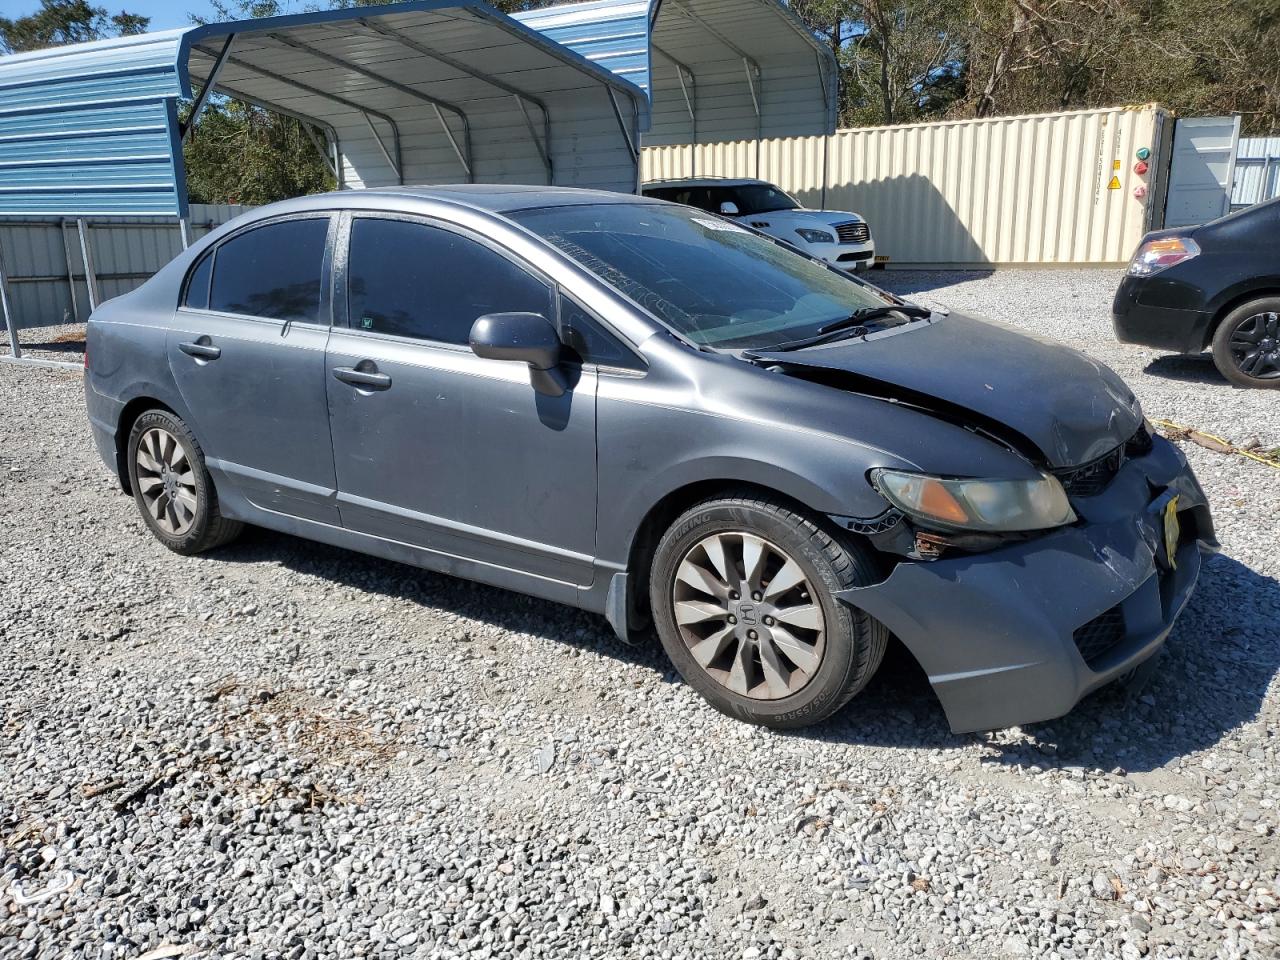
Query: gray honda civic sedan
{"points": [[658, 415]]}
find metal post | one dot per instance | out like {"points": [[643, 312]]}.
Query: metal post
{"points": [[9, 321], [184, 228], [86, 254], [71, 271], [210, 85]]}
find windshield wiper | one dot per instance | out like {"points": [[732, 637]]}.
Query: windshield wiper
{"points": [[859, 317], [854, 325]]}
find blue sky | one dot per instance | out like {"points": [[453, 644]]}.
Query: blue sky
{"points": [[163, 13]]}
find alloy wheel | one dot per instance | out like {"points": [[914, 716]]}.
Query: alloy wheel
{"points": [[749, 615], [1255, 346], [166, 482]]}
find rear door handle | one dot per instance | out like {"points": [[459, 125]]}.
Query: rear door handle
{"points": [[365, 375], [201, 349]]}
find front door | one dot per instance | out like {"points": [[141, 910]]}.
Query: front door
{"points": [[247, 353], [436, 447]]}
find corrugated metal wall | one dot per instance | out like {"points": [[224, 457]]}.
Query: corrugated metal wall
{"points": [[92, 129], [1011, 190], [125, 253], [1257, 171]]}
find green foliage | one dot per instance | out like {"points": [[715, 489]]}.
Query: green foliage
{"points": [[243, 154], [59, 22], [911, 60]]}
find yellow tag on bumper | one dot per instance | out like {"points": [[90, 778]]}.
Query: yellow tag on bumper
{"points": [[1172, 531]]}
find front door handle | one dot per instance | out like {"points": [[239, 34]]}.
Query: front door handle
{"points": [[201, 349], [364, 375]]}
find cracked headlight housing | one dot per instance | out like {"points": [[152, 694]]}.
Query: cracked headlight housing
{"points": [[986, 506]]}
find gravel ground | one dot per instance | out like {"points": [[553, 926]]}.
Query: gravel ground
{"points": [[286, 750], [62, 341]]}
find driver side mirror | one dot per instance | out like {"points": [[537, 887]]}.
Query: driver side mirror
{"points": [[729, 209], [525, 337]]}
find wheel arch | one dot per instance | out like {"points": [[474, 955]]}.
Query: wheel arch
{"points": [[129, 415], [1268, 289], [663, 513]]}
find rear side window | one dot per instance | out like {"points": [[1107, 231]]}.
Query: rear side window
{"points": [[197, 293], [413, 280], [272, 271]]}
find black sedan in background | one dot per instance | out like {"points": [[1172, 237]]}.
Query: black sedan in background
{"points": [[1215, 286]]}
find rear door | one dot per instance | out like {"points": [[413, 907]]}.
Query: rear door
{"points": [[435, 446], [247, 353]]}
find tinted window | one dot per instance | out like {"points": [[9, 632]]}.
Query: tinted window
{"points": [[583, 336], [698, 197], [750, 198], [197, 296], [705, 277], [412, 280], [272, 271]]}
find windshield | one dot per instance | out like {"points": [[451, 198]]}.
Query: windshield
{"points": [[753, 198], [708, 279]]}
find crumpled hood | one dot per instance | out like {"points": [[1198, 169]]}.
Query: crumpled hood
{"points": [[1071, 408]]}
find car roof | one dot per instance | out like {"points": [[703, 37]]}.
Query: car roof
{"points": [[709, 182], [499, 198], [485, 197]]}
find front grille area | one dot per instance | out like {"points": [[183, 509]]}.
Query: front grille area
{"points": [[1090, 479], [1100, 635], [853, 232]]}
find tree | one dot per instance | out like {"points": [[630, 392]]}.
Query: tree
{"points": [[900, 60], [1195, 56], [59, 22]]}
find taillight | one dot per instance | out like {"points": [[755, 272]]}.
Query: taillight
{"points": [[1156, 255]]}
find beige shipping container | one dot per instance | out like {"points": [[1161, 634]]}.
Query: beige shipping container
{"points": [[1046, 189]]}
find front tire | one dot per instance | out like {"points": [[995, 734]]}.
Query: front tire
{"points": [[743, 597], [1246, 345], [172, 486]]}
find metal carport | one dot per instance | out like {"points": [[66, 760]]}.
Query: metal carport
{"points": [[428, 91], [420, 92], [715, 70]]}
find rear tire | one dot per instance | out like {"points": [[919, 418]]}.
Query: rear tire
{"points": [[172, 486], [1246, 345], [777, 649]]}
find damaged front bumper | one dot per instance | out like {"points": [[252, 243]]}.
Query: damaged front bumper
{"points": [[1020, 634]]}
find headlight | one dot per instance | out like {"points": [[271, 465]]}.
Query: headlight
{"points": [[992, 506], [1156, 255], [816, 236]]}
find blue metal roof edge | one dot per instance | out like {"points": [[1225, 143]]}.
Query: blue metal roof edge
{"points": [[617, 34]]}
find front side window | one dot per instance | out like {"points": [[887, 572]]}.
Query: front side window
{"points": [[708, 279], [587, 342], [413, 280], [273, 271]]}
